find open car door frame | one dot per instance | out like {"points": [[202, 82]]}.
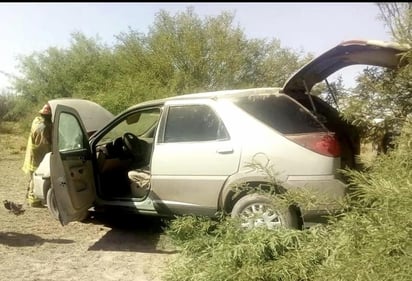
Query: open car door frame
{"points": [[71, 166]]}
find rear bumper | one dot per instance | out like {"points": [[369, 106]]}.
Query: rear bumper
{"points": [[324, 195]]}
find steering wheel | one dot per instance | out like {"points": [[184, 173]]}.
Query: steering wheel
{"points": [[132, 144]]}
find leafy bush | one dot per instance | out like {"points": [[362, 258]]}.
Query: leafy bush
{"points": [[219, 250], [181, 54], [7, 103], [371, 241]]}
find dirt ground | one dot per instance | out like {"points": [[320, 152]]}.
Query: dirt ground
{"points": [[34, 246]]}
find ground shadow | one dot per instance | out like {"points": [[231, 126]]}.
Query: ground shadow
{"points": [[130, 232], [15, 239]]}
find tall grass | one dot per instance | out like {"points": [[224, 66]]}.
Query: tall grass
{"points": [[371, 241]]}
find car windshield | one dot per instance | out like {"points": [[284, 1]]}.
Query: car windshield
{"points": [[141, 124], [281, 113]]}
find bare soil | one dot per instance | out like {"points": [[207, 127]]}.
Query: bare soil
{"points": [[34, 246]]}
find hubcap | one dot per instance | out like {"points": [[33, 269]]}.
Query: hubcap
{"points": [[260, 215]]}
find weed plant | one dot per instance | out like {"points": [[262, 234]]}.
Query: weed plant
{"points": [[371, 240]]}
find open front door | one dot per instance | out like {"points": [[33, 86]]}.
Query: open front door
{"points": [[71, 167]]}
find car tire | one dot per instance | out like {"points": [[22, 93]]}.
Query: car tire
{"points": [[51, 204], [255, 210]]}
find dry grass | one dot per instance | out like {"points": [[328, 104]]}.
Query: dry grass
{"points": [[12, 139], [36, 247]]}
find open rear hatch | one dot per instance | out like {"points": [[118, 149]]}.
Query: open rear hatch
{"points": [[354, 52], [366, 52]]}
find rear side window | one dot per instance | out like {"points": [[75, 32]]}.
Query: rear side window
{"points": [[280, 113], [193, 123]]}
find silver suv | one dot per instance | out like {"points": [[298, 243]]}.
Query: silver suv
{"points": [[184, 154]]}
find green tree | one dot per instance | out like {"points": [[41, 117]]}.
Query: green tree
{"points": [[398, 18], [184, 54], [180, 54], [81, 70], [382, 99]]}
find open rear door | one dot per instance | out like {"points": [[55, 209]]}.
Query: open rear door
{"points": [[71, 167], [367, 52]]}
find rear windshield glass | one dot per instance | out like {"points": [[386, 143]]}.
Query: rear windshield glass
{"points": [[280, 113]]}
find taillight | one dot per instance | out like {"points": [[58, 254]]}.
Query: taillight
{"points": [[322, 143]]}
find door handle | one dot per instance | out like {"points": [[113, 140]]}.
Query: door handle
{"points": [[227, 150]]}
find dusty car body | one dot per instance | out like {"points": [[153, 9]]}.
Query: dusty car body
{"points": [[195, 148]]}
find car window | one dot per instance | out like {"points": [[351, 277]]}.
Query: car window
{"points": [[140, 123], [70, 133], [281, 113], [193, 123]]}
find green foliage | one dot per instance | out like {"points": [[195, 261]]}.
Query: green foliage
{"points": [[382, 99], [371, 241], [6, 104], [381, 95], [333, 93], [77, 71], [398, 17], [185, 54], [180, 54], [379, 226], [221, 251], [19, 110]]}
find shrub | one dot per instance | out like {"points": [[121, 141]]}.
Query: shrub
{"points": [[371, 241]]}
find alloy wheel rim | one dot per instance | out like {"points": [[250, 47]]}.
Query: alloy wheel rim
{"points": [[260, 215]]}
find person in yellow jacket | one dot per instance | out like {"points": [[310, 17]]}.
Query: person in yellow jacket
{"points": [[38, 144]]}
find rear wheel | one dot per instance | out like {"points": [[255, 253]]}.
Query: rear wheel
{"points": [[51, 203], [255, 210]]}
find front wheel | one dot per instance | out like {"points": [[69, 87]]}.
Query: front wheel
{"points": [[51, 204], [255, 210]]}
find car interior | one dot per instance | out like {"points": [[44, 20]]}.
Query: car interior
{"points": [[347, 134], [129, 150], [115, 159]]}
